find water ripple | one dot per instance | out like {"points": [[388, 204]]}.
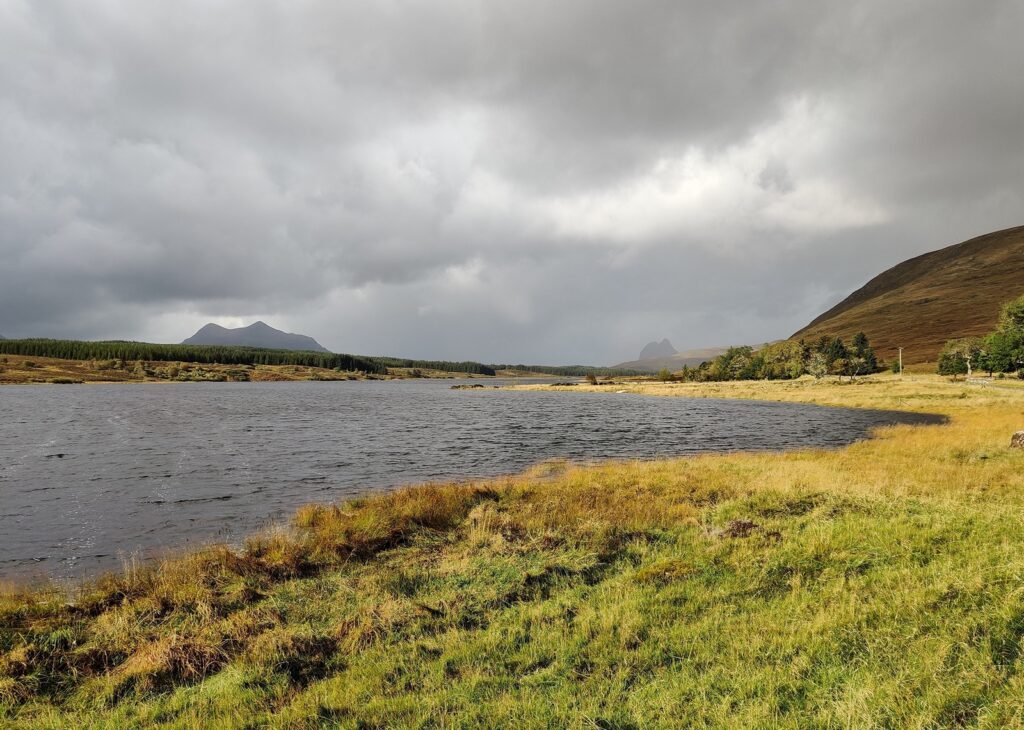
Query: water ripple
{"points": [[91, 474]]}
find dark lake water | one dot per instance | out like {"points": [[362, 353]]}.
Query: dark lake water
{"points": [[89, 474]]}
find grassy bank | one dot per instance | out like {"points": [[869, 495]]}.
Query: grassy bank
{"points": [[877, 585]]}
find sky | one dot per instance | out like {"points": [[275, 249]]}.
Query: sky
{"points": [[530, 181]]}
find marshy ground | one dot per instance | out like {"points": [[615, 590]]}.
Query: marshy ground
{"points": [[881, 584]]}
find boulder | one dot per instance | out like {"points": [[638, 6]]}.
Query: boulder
{"points": [[1017, 442]]}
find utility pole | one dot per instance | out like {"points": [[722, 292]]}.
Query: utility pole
{"points": [[901, 361]]}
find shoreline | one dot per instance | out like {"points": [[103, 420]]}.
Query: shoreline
{"points": [[757, 391], [54, 568], [808, 390], [715, 557], [882, 391], [32, 370]]}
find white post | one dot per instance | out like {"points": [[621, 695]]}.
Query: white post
{"points": [[901, 362]]}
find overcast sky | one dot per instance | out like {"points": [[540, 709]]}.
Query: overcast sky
{"points": [[547, 182]]}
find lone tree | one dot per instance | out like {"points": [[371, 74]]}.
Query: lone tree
{"points": [[959, 356]]}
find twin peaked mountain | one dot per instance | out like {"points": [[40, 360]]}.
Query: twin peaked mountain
{"points": [[657, 349], [258, 334]]}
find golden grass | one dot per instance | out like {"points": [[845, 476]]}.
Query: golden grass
{"points": [[964, 459], [913, 392], [881, 584]]}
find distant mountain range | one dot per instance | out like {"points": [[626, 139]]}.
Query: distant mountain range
{"points": [[258, 334], [921, 303]]}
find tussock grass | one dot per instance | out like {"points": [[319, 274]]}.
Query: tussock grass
{"points": [[877, 585]]}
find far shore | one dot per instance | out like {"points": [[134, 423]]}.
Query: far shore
{"points": [[30, 370]]}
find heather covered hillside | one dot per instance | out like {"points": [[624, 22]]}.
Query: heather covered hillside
{"points": [[921, 303]]}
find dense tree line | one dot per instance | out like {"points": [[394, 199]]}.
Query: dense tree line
{"points": [[1000, 351], [225, 355], [788, 359]]}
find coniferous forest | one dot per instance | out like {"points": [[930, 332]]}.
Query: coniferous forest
{"points": [[226, 355]]}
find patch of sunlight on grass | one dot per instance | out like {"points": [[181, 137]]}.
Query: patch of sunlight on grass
{"points": [[880, 584]]}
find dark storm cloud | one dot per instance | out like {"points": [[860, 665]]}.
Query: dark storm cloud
{"points": [[503, 181]]}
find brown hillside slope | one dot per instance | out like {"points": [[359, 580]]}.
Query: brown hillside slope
{"points": [[921, 303]]}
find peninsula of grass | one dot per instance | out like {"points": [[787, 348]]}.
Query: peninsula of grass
{"points": [[877, 585]]}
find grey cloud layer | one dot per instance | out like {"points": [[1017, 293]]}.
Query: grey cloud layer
{"points": [[503, 181]]}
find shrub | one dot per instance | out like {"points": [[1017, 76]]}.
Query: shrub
{"points": [[952, 364], [818, 365]]}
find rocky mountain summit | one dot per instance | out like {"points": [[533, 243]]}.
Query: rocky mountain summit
{"points": [[258, 334], [657, 349]]}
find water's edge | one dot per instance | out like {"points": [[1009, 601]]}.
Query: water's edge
{"points": [[149, 470]]}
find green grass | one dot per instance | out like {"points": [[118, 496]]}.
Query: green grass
{"points": [[881, 585]]}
